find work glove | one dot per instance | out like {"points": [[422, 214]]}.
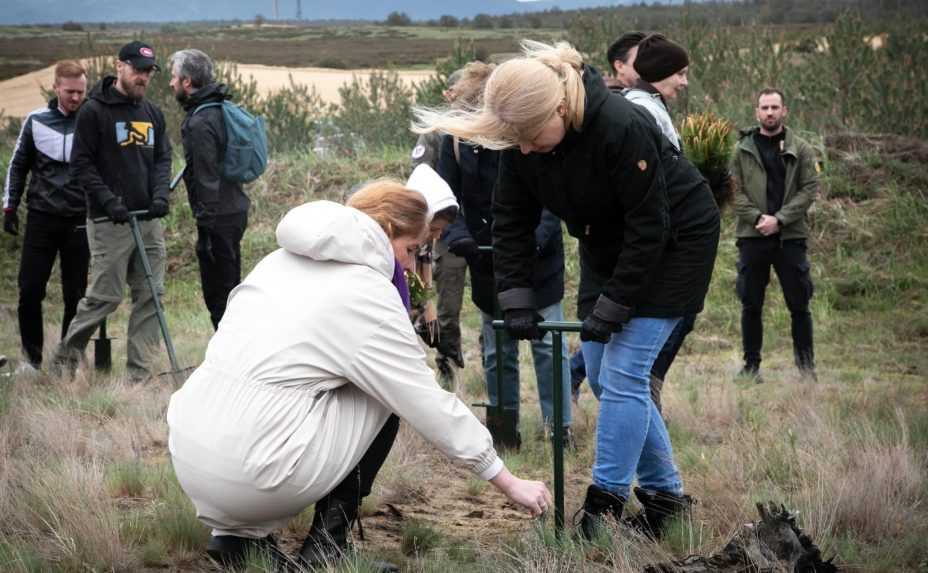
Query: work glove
{"points": [[607, 318], [11, 221], [116, 210], [205, 247], [522, 324], [159, 208], [465, 248]]}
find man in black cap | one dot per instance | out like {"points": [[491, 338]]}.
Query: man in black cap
{"points": [[122, 159], [219, 205]]}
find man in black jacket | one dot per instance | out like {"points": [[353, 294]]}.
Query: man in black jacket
{"points": [[122, 159], [218, 204], [55, 205]]}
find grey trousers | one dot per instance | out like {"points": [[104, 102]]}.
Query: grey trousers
{"points": [[449, 271], [115, 263]]}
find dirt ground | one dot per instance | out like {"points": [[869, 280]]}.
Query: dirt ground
{"points": [[22, 94]]}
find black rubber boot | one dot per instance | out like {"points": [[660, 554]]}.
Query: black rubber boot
{"points": [[231, 551], [658, 508], [599, 504], [327, 541]]}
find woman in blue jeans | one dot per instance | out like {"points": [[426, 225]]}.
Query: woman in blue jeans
{"points": [[646, 221]]}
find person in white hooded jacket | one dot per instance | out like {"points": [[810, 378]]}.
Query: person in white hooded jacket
{"points": [[313, 355]]}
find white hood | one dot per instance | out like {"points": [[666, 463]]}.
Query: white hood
{"points": [[437, 193], [327, 231]]}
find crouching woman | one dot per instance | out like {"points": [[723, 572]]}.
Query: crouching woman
{"points": [[313, 355]]}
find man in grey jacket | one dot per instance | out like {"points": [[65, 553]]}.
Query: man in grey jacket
{"points": [[56, 209], [777, 178], [219, 205]]}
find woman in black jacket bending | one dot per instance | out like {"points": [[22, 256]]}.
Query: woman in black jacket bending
{"points": [[645, 219]]}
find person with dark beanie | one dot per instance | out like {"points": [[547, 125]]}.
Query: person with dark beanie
{"points": [[662, 67], [777, 178]]}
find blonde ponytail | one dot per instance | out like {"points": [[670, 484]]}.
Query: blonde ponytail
{"points": [[520, 96]]}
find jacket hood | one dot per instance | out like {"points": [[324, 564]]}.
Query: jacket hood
{"points": [[207, 94], [328, 231], [105, 91], [437, 192]]}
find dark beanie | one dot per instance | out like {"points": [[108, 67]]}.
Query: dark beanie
{"points": [[659, 58]]}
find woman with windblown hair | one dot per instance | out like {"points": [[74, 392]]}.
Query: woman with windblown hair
{"points": [[648, 230]]}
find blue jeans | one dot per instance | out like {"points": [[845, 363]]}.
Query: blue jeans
{"points": [[631, 438], [543, 355]]}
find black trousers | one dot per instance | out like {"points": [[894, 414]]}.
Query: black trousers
{"points": [[223, 272], [670, 349], [358, 483], [789, 260], [46, 237]]}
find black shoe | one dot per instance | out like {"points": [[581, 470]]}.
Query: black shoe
{"points": [[598, 504], [657, 509], [751, 372], [232, 552], [327, 542]]}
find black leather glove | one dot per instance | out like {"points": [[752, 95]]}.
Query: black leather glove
{"points": [[466, 248], [159, 208], [607, 318], [522, 324], [205, 246], [11, 221], [116, 210], [722, 187]]}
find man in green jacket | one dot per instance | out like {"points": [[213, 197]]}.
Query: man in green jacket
{"points": [[777, 178]]}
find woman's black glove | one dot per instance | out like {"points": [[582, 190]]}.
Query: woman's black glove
{"points": [[465, 248], [159, 208], [522, 324], [607, 318]]}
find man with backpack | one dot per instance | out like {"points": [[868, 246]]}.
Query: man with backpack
{"points": [[121, 157], [216, 198]]}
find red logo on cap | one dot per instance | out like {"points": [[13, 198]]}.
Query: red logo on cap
{"points": [[147, 52]]}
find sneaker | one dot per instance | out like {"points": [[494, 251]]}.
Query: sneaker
{"points": [[26, 370]]}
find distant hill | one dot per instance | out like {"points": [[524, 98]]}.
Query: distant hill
{"points": [[56, 11]]}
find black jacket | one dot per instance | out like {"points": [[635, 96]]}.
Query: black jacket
{"points": [[204, 137], [43, 150], [472, 180], [644, 215], [121, 149]]}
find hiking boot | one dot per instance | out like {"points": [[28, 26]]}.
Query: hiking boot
{"points": [[598, 505], [232, 552], [658, 508], [327, 541]]}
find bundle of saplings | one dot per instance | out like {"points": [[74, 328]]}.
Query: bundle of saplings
{"points": [[708, 143]]}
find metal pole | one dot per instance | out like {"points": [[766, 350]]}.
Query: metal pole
{"points": [[556, 328], [159, 310], [558, 435]]}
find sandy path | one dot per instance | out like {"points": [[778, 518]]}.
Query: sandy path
{"points": [[22, 94]]}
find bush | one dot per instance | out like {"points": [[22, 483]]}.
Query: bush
{"points": [[70, 26], [398, 19], [377, 111]]}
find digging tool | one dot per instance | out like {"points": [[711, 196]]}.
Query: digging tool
{"points": [[176, 372], [102, 349], [556, 328]]}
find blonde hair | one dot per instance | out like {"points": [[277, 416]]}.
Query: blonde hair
{"points": [[400, 212], [468, 89], [69, 69], [520, 97]]}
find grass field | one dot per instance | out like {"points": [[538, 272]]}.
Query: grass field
{"points": [[86, 482]]}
